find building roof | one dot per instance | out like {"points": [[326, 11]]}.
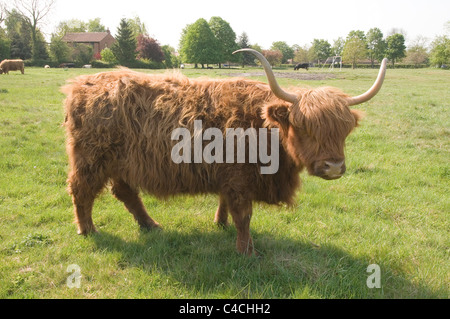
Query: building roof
{"points": [[85, 36]]}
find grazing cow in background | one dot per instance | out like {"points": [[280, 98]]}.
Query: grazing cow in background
{"points": [[12, 65], [120, 126], [67, 65], [301, 66]]}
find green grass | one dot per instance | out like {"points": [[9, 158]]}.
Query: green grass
{"points": [[391, 209]]}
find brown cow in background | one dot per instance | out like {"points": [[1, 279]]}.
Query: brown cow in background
{"points": [[119, 127], [12, 65]]}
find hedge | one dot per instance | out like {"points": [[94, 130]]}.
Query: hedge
{"points": [[137, 64], [363, 66]]}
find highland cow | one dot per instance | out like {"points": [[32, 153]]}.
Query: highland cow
{"points": [[12, 65], [119, 126]]}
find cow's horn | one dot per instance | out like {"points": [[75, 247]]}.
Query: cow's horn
{"points": [[373, 90], [276, 89]]}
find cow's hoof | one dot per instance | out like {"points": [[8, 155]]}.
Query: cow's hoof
{"points": [[87, 231], [151, 227], [223, 225]]}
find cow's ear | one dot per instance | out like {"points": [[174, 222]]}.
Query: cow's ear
{"points": [[358, 115], [278, 115]]}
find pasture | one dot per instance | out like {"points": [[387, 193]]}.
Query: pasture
{"points": [[391, 208]]}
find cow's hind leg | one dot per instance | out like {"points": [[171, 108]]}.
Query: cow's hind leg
{"points": [[130, 197], [84, 190]]}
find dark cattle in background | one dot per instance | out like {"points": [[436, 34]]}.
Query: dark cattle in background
{"points": [[119, 127], [67, 65], [301, 66]]}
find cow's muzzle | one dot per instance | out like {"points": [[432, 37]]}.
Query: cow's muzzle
{"points": [[329, 169]]}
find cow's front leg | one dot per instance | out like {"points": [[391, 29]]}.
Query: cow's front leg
{"points": [[242, 213], [221, 217]]}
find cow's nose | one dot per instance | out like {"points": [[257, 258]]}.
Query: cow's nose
{"points": [[334, 169], [330, 169]]}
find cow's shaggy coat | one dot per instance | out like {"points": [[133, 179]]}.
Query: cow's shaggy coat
{"points": [[119, 127]]}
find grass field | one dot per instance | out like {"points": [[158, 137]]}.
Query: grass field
{"points": [[391, 209]]}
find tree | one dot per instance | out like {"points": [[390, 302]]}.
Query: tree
{"points": [[137, 26], [5, 43], [256, 47], [320, 50], [417, 52], [198, 44], [243, 43], [170, 59], [416, 55], [94, 25], [13, 22], [124, 48], [338, 46], [273, 56], [19, 34], [59, 50], [5, 47], [226, 39], [355, 47], [69, 26], [149, 48], [76, 25], [357, 34], [376, 45], [108, 56], [285, 49], [183, 38], [2, 15], [40, 49], [440, 51], [397, 30], [82, 53], [301, 55], [395, 47], [34, 13]]}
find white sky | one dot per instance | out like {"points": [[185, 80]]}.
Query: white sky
{"points": [[293, 21]]}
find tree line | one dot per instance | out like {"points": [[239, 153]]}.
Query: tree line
{"points": [[213, 43], [201, 43], [21, 37]]}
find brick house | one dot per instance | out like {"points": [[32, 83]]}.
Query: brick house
{"points": [[98, 40]]}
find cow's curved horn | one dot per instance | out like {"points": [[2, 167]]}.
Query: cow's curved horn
{"points": [[373, 90], [276, 89]]}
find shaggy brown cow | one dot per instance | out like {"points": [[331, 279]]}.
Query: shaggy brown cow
{"points": [[11, 65], [119, 127]]}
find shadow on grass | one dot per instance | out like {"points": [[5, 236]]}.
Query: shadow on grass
{"points": [[207, 264]]}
